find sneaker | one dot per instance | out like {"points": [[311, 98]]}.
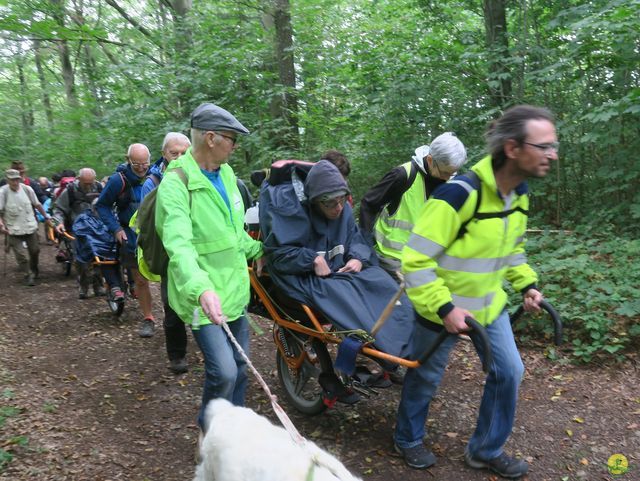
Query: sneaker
{"points": [[147, 328], [504, 465], [417, 457], [116, 294], [178, 366], [83, 293], [30, 279]]}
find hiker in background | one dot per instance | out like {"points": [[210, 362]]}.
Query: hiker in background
{"points": [[174, 145], [75, 199], [340, 160], [389, 210], [20, 167], [123, 192], [17, 202], [454, 265], [46, 186], [201, 225]]}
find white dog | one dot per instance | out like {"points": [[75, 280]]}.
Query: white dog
{"points": [[240, 445]]}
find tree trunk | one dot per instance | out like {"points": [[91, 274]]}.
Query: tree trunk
{"points": [[46, 101], [497, 43], [183, 44], [26, 110], [65, 59], [284, 103]]}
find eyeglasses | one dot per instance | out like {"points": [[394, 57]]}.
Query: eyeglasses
{"points": [[333, 203], [233, 140], [140, 164], [546, 148]]}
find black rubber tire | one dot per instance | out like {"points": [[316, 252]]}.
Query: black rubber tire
{"points": [[301, 388]]}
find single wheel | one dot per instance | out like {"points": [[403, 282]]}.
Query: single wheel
{"points": [[300, 385]]}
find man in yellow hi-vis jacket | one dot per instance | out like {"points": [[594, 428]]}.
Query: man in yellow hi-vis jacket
{"points": [[468, 240]]}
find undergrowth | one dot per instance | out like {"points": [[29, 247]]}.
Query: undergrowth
{"points": [[593, 281]]}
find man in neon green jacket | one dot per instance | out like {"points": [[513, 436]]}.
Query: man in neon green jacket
{"points": [[202, 229], [468, 240]]}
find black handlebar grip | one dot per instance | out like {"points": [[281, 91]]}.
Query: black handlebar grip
{"points": [[477, 331], [555, 317]]}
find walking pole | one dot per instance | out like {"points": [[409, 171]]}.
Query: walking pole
{"points": [[6, 250]]}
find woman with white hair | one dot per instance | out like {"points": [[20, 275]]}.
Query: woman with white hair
{"points": [[389, 209]]}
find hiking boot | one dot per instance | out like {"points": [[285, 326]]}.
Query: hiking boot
{"points": [[83, 293], [417, 457], [30, 279], [116, 294], [504, 465], [178, 366], [147, 328]]}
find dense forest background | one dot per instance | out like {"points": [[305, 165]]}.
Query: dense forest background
{"points": [[82, 79]]}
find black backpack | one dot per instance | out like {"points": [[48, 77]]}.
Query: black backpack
{"points": [[473, 180]]}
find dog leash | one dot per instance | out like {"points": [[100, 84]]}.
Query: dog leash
{"points": [[282, 416]]}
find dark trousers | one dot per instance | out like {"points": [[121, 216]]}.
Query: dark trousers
{"points": [[175, 332], [27, 258]]}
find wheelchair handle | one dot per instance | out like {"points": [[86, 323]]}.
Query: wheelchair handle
{"points": [[479, 335], [555, 317]]}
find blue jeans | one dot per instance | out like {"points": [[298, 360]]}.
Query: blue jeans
{"points": [[225, 371], [498, 406]]}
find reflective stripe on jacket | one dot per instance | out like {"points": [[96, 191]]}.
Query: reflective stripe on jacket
{"points": [[392, 231], [206, 242], [468, 272]]}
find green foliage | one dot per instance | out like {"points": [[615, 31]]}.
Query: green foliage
{"points": [[5, 458], [373, 79], [7, 412], [592, 282]]}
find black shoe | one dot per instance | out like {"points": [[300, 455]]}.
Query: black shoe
{"points": [[504, 465], [147, 328], [178, 366], [417, 457], [397, 375]]}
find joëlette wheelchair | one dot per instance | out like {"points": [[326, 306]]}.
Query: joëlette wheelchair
{"points": [[303, 339]]}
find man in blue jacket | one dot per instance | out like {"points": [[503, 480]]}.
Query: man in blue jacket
{"points": [[123, 192]]}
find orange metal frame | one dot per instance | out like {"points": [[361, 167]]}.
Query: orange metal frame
{"points": [[317, 331]]}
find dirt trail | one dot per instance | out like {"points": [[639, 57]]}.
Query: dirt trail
{"points": [[82, 397]]}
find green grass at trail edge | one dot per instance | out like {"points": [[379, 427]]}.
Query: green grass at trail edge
{"points": [[593, 283]]}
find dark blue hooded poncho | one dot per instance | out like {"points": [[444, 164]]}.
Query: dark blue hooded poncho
{"points": [[295, 233]]}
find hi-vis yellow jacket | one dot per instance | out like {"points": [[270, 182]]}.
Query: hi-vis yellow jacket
{"points": [[392, 231], [446, 266]]}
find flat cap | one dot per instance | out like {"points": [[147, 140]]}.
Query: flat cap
{"points": [[12, 174], [208, 116]]}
